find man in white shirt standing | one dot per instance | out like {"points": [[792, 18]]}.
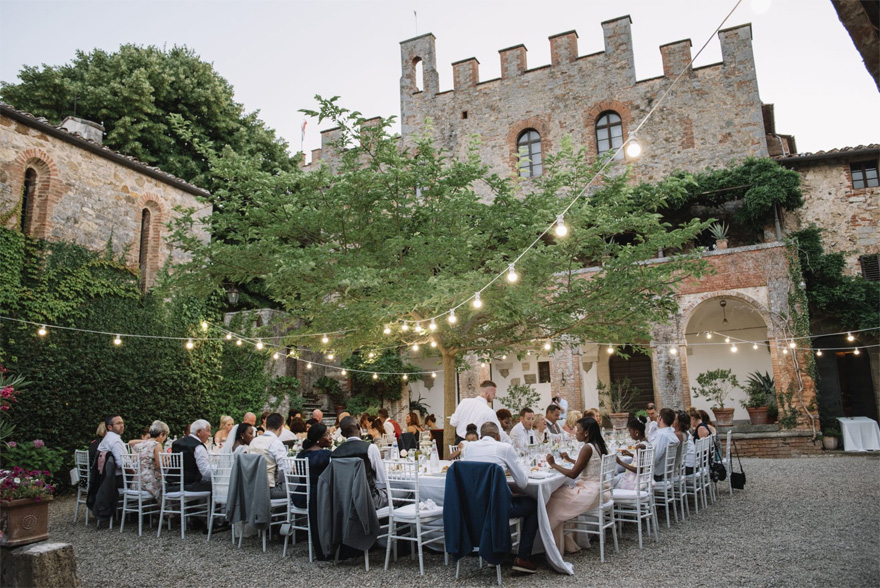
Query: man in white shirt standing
{"points": [[113, 443], [665, 440], [522, 434], [562, 403], [475, 410], [490, 449], [270, 446], [651, 425]]}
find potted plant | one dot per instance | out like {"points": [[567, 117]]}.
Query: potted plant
{"points": [[717, 385], [760, 389], [24, 506], [330, 387], [520, 396], [830, 438], [618, 398], [718, 231]]}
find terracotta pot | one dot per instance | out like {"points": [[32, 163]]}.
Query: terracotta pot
{"points": [[24, 521], [758, 416], [619, 419], [829, 442], [723, 416], [721, 244]]}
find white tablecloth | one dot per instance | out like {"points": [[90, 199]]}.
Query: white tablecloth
{"points": [[860, 434], [434, 487]]}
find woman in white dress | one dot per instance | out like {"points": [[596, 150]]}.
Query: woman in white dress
{"points": [[570, 501]]}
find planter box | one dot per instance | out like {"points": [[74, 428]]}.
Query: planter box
{"points": [[830, 443], [24, 521], [758, 416], [723, 416], [619, 419]]}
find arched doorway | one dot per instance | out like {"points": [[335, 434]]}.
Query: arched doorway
{"points": [[638, 369], [710, 325], [844, 386]]}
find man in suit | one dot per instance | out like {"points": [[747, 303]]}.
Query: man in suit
{"points": [[196, 467], [354, 446]]}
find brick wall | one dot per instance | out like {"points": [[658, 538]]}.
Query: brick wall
{"points": [[795, 445]]}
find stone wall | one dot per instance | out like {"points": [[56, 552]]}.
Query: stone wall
{"points": [[711, 117], [86, 198]]}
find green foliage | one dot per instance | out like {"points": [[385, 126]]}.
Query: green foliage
{"points": [[32, 455], [852, 300], [789, 414], [287, 387], [142, 96], [420, 406], [387, 386], [520, 396], [330, 387], [719, 231], [77, 378], [619, 396], [761, 390], [716, 385]]}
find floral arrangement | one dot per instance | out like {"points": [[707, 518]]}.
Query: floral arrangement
{"points": [[10, 386], [294, 449], [19, 483], [33, 455], [337, 441]]}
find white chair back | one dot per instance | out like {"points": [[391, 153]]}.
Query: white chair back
{"points": [[669, 462], [171, 466], [606, 477], [81, 459], [645, 468], [452, 449], [403, 484], [296, 473]]}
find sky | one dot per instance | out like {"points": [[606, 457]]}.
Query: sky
{"points": [[279, 54]]}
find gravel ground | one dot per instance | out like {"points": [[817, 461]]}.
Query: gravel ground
{"points": [[799, 522]]}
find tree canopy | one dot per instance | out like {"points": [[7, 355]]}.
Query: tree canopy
{"points": [[393, 234], [142, 95]]}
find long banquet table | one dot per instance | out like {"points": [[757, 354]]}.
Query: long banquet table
{"points": [[540, 487]]}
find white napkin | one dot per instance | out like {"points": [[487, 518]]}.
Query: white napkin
{"points": [[427, 505]]}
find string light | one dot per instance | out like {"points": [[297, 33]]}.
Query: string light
{"points": [[792, 344], [477, 302], [238, 342], [504, 356], [547, 346], [371, 355], [819, 352], [633, 149], [673, 351], [343, 372], [727, 339], [433, 374], [42, 331], [733, 348], [325, 339], [610, 349], [260, 344], [511, 274], [784, 351], [204, 325], [405, 377], [387, 331], [561, 229], [755, 346], [404, 327], [375, 376], [433, 343], [482, 364], [850, 338], [419, 328], [275, 355], [189, 344], [117, 341], [432, 325], [309, 366], [330, 356], [856, 351], [452, 318], [708, 335], [229, 336], [415, 347]]}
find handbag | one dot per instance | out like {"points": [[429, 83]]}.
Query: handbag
{"points": [[737, 479]]}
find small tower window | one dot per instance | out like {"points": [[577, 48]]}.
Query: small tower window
{"points": [[28, 192], [529, 149], [609, 133], [419, 74]]}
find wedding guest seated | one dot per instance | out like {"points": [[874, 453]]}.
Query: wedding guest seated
{"points": [[366, 418], [626, 480], [311, 422], [112, 442], [651, 426], [222, 434], [683, 432], [292, 414], [412, 423], [316, 451], [430, 422], [100, 432], [318, 414], [490, 449], [552, 416], [375, 429], [469, 437], [522, 434], [298, 427], [196, 467], [336, 430], [377, 478], [270, 446], [540, 429], [505, 418], [261, 428], [568, 502], [242, 436], [249, 418], [571, 420], [147, 454], [664, 440]]}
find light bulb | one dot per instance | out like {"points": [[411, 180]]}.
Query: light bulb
{"points": [[325, 339], [511, 274], [309, 366], [528, 352], [819, 352], [432, 325], [561, 229], [433, 344], [415, 347], [547, 346], [733, 348], [727, 339], [433, 374], [371, 355], [343, 372], [784, 351], [856, 351], [418, 328], [633, 149], [42, 331], [673, 351], [504, 356], [850, 338], [792, 344], [259, 344], [405, 377], [275, 355], [610, 349], [375, 376], [204, 325], [452, 318], [117, 341], [404, 327], [754, 345], [482, 364], [708, 335], [387, 331], [330, 356], [238, 342], [477, 302], [229, 336], [189, 344]]}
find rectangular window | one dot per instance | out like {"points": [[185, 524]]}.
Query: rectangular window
{"points": [[543, 372], [864, 175], [870, 267]]}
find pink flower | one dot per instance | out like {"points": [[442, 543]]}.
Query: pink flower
{"points": [[4, 407], [38, 443], [7, 392], [12, 444]]}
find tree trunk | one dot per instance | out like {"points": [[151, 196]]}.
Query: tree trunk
{"points": [[449, 400]]}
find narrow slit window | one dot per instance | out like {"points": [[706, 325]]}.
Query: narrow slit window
{"points": [[144, 251], [28, 192]]}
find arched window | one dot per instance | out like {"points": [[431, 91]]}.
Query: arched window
{"points": [[609, 133], [144, 251], [28, 193], [419, 74], [529, 149]]}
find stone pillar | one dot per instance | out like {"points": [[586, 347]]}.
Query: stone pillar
{"points": [[465, 73], [675, 57], [563, 48], [48, 565], [513, 61]]}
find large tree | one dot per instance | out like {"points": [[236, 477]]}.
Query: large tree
{"points": [[392, 234], [142, 95]]}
